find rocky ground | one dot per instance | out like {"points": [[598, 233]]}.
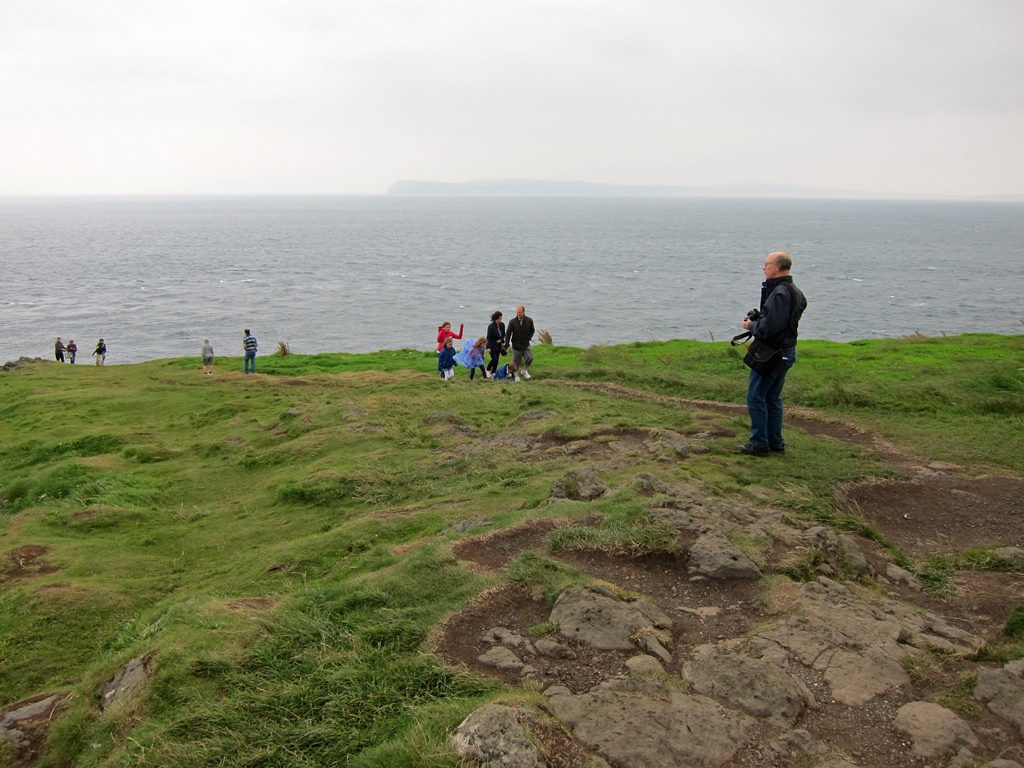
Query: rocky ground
{"points": [[687, 659], [702, 657]]}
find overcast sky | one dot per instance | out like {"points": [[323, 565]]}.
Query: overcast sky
{"points": [[348, 96]]}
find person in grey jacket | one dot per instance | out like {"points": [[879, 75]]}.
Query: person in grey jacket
{"points": [[518, 335], [207, 355], [782, 305]]}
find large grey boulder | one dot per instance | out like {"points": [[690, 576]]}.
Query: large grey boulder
{"points": [[756, 686], [600, 619], [497, 736], [644, 723], [933, 730], [713, 555], [1002, 689]]}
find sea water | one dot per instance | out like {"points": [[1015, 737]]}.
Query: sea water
{"points": [[154, 277]]}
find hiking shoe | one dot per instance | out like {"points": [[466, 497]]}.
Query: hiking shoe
{"points": [[781, 450], [753, 450], [526, 374]]}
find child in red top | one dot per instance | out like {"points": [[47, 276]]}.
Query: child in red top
{"points": [[444, 331]]}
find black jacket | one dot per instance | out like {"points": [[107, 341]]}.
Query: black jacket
{"points": [[520, 332], [779, 316], [495, 336]]}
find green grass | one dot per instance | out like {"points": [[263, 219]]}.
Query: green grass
{"points": [[158, 500]]}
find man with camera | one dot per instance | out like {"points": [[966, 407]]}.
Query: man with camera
{"points": [[774, 323]]}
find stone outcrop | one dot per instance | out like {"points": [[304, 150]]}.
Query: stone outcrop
{"points": [[934, 730], [602, 620], [1002, 690], [646, 722], [498, 736], [714, 556], [758, 687], [857, 645]]}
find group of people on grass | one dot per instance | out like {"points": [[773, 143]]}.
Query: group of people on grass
{"points": [[773, 327], [249, 347], [60, 349], [500, 338]]}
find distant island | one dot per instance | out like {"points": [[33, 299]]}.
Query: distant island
{"points": [[543, 188]]}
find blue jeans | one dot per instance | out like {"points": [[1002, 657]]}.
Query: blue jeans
{"points": [[764, 402], [250, 358]]}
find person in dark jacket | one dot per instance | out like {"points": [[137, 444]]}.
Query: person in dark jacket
{"points": [[782, 305], [518, 336], [100, 353], [72, 349], [58, 350], [446, 359], [495, 343]]}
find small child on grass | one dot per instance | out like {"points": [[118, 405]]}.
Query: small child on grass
{"points": [[446, 360]]}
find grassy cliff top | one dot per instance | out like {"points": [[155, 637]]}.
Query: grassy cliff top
{"points": [[279, 546]]}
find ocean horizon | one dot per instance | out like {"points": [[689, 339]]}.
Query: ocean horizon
{"points": [[156, 276]]}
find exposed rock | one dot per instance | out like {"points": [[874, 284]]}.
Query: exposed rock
{"points": [[858, 645], [758, 687], [602, 620], [548, 647], [503, 658], [125, 683], [650, 642], [23, 717], [649, 483], [644, 722], [898, 575], [797, 742], [933, 729], [713, 555], [472, 522], [579, 485], [506, 637], [842, 552], [498, 737], [1015, 554], [644, 665], [686, 447], [1002, 689]]}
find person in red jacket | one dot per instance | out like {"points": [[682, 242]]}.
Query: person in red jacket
{"points": [[444, 331]]}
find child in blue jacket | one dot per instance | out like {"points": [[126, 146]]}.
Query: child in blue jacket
{"points": [[446, 360]]}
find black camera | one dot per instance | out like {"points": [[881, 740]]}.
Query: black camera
{"points": [[754, 315]]}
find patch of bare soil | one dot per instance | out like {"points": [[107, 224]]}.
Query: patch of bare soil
{"points": [[252, 604], [943, 513], [24, 562]]}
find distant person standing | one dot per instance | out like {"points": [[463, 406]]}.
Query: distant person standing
{"points": [[100, 352], [782, 305], [58, 350], [518, 336], [207, 355], [72, 350], [249, 345], [495, 343]]}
